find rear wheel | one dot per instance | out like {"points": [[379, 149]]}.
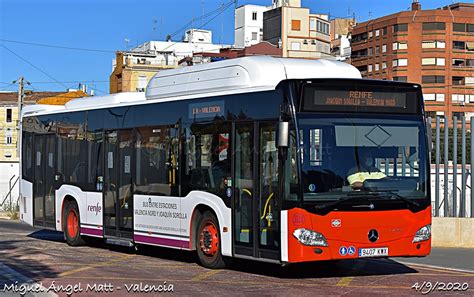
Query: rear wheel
{"points": [[208, 243], [72, 225]]}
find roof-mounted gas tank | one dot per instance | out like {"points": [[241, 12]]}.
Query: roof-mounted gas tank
{"points": [[236, 75]]}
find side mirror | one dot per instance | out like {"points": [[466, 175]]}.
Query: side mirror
{"points": [[283, 134]]}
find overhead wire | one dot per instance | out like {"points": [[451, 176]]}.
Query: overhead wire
{"points": [[57, 46], [32, 65], [220, 10]]}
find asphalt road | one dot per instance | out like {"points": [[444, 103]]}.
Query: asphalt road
{"points": [[29, 256]]}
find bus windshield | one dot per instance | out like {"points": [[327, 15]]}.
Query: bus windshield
{"points": [[346, 154]]}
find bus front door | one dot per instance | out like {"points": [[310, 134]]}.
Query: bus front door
{"points": [[44, 183], [255, 206], [117, 190]]}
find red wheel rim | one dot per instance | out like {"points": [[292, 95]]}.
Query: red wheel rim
{"points": [[209, 239], [72, 223]]}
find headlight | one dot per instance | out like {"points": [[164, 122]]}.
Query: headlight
{"points": [[309, 237], [423, 234]]}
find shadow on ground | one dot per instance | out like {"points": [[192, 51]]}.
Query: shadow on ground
{"points": [[18, 256], [323, 269]]}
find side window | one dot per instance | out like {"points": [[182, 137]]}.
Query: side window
{"points": [[208, 159], [156, 150], [291, 167], [72, 149], [27, 156]]}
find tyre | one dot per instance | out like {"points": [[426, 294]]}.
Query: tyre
{"points": [[208, 242], [72, 225]]}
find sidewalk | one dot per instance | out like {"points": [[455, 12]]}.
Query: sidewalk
{"points": [[453, 258]]}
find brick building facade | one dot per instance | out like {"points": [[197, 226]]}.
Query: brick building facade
{"points": [[434, 48]]}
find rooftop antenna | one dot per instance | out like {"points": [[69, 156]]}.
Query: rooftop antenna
{"points": [[370, 15], [202, 13], [127, 40]]}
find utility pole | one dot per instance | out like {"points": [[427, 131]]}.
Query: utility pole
{"points": [[21, 94]]}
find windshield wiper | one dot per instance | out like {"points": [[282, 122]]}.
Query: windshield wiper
{"points": [[324, 208], [398, 196]]}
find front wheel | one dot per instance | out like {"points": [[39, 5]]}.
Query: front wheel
{"points": [[72, 225], [208, 243]]}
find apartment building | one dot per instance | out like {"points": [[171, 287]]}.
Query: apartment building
{"points": [[299, 33], [434, 48]]}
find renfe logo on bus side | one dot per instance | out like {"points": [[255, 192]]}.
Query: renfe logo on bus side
{"points": [[94, 208]]}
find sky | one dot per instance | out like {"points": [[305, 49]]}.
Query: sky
{"points": [[104, 26]]}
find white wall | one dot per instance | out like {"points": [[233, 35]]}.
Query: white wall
{"points": [[450, 189], [245, 25], [7, 170]]}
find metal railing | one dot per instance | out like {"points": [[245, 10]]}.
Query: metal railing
{"points": [[452, 157], [10, 189]]}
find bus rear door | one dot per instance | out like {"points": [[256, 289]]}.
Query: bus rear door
{"points": [[117, 190]]}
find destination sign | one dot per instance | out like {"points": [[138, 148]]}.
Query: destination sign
{"points": [[357, 100], [206, 110]]}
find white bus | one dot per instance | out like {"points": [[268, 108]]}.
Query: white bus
{"points": [[209, 160]]}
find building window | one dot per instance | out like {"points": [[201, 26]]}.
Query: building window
{"points": [[377, 33], [470, 46], [371, 34], [141, 83], [459, 62], [433, 61], [371, 51], [8, 136], [458, 80], [377, 50], [377, 67], [434, 26], [433, 44], [370, 68], [312, 24], [9, 115], [432, 79], [384, 65], [400, 78], [295, 46], [469, 81], [400, 62], [296, 25], [322, 27], [400, 28], [254, 35], [459, 45], [457, 98], [403, 45], [385, 31], [359, 37], [384, 48], [429, 97], [460, 27], [254, 16]]}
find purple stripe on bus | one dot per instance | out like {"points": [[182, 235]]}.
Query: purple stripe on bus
{"points": [[161, 241], [91, 231]]}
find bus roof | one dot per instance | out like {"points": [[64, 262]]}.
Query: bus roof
{"points": [[247, 74], [257, 72]]}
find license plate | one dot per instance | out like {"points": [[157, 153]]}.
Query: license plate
{"points": [[373, 252]]}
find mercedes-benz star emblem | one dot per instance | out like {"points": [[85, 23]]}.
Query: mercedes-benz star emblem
{"points": [[373, 235]]}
